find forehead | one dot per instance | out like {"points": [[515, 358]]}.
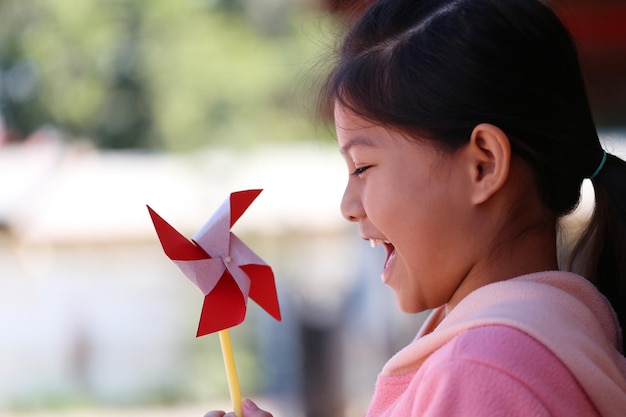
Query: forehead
{"points": [[353, 131], [347, 119]]}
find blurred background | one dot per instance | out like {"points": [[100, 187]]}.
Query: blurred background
{"points": [[108, 106]]}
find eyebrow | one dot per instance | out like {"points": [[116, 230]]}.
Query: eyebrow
{"points": [[357, 141]]}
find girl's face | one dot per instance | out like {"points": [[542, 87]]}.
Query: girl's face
{"points": [[411, 198]]}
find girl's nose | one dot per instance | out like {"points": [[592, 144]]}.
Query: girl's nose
{"points": [[351, 206]]}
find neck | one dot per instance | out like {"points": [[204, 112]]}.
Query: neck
{"points": [[525, 250]]}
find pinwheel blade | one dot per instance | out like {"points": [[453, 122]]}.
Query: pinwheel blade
{"points": [[263, 288], [223, 307], [239, 203], [176, 246]]}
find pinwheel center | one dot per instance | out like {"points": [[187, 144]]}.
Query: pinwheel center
{"points": [[227, 260]]}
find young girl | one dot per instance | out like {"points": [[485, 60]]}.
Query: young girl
{"points": [[467, 134]]}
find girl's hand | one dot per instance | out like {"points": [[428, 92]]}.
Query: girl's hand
{"points": [[249, 408]]}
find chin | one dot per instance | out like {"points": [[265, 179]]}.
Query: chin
{"points": [[410, 306]]}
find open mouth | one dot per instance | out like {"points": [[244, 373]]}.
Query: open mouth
{"points": [[391, 253]]}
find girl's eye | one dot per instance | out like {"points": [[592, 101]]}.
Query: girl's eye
{"points": [[361, 170]]}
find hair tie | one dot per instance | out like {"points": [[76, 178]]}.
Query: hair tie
{"points": [[600, 166]]}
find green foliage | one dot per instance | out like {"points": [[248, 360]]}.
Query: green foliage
{"points": [[176, 75]]}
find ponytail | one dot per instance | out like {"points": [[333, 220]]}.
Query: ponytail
{"points": [[601, 250]]}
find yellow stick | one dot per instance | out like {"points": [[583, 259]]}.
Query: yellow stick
{"points": [[231, 372]]}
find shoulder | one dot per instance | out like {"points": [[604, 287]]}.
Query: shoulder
{"points": [[503, 347], [502, 370]]}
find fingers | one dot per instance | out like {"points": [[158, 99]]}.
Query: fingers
{"points": [[214, 414], [250, 409]]}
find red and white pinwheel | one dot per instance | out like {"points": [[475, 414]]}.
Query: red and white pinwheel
{"points": [[221, 266]]}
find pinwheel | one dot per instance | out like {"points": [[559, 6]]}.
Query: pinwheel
{"points": [[225, 270]]}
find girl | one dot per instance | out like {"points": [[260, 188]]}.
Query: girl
{"points": [[467, 134]]}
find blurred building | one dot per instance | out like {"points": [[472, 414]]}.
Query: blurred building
{"points": [[92, 311]]}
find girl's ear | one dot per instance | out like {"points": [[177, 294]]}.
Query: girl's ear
{"points": [[489, 152]]}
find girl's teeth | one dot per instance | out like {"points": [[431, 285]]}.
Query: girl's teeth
{"points": [[376, 242]]}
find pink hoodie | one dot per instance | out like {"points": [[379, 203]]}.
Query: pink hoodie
{"points": [[544, 344]]}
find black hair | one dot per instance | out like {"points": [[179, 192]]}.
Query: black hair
{"points": [[438, 68]]}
